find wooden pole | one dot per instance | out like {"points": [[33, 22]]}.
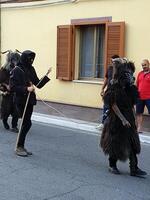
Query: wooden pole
{"points": [[24, 112]]}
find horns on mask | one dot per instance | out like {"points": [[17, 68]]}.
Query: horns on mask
{"points": [[10, 51], [120, 60], [18, 51], [8, 57]]}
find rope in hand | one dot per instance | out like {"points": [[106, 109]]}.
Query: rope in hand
{"points": [[51, 107], [61, 113]]}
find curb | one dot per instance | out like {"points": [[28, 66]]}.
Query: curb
{"points": [[75, 124]]}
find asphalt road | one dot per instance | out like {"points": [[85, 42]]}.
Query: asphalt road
{"points": [[66, 165]]}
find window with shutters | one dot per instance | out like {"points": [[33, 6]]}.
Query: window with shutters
{"points": [[91, 52], [64, 52], [84, 49]]}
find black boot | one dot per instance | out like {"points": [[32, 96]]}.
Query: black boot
{"points": [[114, 170], [113, 166], [138, 172], [6, 126], [14, 123], [15, 129], [133, 163]]}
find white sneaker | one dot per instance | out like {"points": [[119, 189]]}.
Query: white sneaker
{"points": [[100, 126]]}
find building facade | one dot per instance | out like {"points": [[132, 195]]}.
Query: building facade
{"points": [[77, 38]]}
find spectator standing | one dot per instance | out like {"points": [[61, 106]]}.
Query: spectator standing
{"points": [[143, 85], [107, 82]]}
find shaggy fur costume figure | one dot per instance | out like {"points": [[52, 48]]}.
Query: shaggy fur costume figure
{"points": [[118, 140], [7, 103]]}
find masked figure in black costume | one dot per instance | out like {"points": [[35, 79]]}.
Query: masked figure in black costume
{"points": [[22, 79], [120, 139], [7, 105]]}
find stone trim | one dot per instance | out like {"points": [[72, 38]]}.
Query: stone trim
{"points": [[18, 1], [32, 3]]}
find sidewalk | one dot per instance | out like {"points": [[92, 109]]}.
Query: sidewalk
{"points": [[77, 117]]}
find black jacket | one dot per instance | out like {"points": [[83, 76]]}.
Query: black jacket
{"points": [[22, 76]]}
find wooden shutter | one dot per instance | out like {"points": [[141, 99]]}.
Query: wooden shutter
{"points": [[64, 52], [114, 43]]}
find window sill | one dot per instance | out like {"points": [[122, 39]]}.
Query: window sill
{"points": [[100, 82]]}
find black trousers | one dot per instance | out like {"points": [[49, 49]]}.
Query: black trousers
{"points": [[14, 121], [26, 123], [8, 107], [133, 161]]}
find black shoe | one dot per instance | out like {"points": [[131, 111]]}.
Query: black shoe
{"points": [[138, 172], [20, 151], [114, 170], [15, 129], [6, 126]]}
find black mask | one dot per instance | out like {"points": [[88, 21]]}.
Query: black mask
{"points": [[126, 79], [27, 58]]}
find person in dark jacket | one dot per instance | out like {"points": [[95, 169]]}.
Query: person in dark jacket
{"points": [[7, 105], [107, 81], [22, 79], [120, 139]]}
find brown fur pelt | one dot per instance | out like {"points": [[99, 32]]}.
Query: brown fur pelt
{"points": [[118, 140]]}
